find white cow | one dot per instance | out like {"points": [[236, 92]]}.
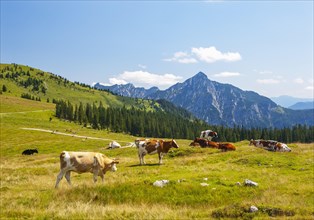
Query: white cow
{"points": [[114, 144], [82, 162], [208, 134]]}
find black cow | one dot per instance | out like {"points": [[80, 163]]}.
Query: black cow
{"points": [[30, 152]]}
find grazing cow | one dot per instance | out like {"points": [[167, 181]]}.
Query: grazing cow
{"points": [[29, 152], [270, 145], [114, 144], [226, 146], [208, 134], [82, 162], [205, 143], [154, 146]]}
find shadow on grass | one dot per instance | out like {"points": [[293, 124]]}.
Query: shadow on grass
{"points": [[145, 165]]}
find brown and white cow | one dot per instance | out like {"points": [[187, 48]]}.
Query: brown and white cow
{"points": [[82, 162], [160, 147], [208, 134], [204, 143], [270, 145]]}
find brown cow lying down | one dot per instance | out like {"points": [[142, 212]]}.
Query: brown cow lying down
{"points": [[226, 146], [205, 143], [160, 147], [82, 162]]}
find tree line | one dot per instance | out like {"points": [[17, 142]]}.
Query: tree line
{"points": [[169, 125]]}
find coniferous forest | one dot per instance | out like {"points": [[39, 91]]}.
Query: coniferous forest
{"points": [[169, 125]]}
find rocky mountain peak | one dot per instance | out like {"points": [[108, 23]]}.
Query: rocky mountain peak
{"points": [[222, 104], [200, 75]]}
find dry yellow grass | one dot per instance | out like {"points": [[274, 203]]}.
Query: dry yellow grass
{"points": [[27, 182]]}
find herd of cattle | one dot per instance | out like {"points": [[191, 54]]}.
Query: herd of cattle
{"points": [[99, 164]]}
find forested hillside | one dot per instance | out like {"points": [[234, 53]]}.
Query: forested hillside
{"points": [[170, 125], [140, 117]]}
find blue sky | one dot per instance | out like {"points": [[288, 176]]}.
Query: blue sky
{"points": [[266, 47]]}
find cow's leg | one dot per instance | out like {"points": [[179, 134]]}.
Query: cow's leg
{"points": [[160, 158], [102, 177], [143, 160], [95, 174], [59, 177], [140, 157], [68, 177]]}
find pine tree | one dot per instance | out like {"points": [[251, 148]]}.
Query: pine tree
{"points": [[4, 88], [80, 115]]}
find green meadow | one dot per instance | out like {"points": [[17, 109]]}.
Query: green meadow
{"points": [[285, 180]]}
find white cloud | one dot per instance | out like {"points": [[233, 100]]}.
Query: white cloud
{"points": [[268, 81], [309, 88], [142, 66], [114, 81], [181, 57], [211, 55], [265, 72], [205, 54], [146, 79], [298, 80], [227, 74], [187, 60]]}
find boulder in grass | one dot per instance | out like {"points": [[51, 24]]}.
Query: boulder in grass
{"points": [[160, 183], [253, 208]]}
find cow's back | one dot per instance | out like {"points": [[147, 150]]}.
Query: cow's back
{"points": [[226, 146], [77, 161]]}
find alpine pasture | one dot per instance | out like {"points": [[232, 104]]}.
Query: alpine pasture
{"points": [[285, 180]]}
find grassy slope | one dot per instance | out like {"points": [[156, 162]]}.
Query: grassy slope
{"points": [[285, 179], [56, 89]]}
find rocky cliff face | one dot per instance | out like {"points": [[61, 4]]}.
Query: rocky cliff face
{"points": [[221, 104]]}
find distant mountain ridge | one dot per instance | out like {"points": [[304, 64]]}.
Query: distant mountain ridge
{"points": [[220, 104], [302, 105], [287, 101], [128, 90]]}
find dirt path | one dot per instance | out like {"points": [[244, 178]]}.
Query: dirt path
{"points": [[9, 113], [71, 135]]}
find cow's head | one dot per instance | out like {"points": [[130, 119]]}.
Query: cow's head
{"points": [[110, 165], [251, 142], [174, 144], [214, 134], [113, 165], [105, 163], [283, 147], [286, 148]]}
